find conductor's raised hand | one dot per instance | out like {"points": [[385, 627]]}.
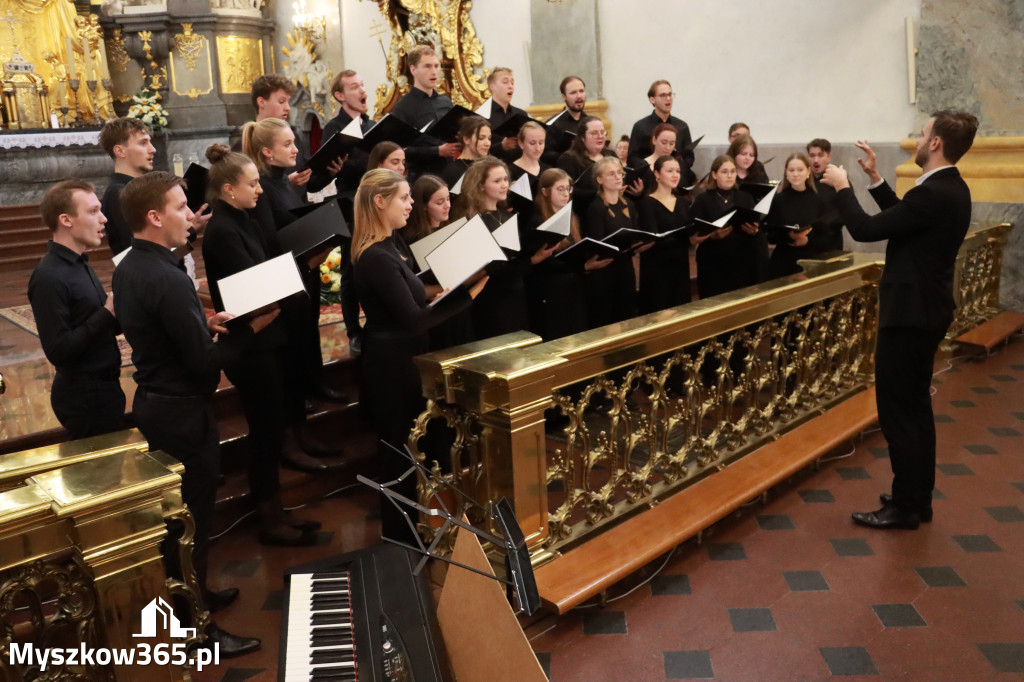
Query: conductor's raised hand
{"points": [[870, 162], [836, 177]]}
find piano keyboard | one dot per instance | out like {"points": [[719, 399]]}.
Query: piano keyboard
{"points": [[320, 642]]}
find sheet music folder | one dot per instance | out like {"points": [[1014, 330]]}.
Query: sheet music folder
{"points": [[390, 129], [583, 250], [195, 178], [339, 145], [467, 251], [255, 290], [324, 226]]}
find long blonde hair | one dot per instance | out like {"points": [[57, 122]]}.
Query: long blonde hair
{"points": [[257, 135], [472, 198], [369, 228]]}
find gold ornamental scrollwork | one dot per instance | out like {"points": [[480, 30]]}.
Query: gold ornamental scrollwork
{"points": [[115, 49], [190, 45], [447, 26], [240, 60]]}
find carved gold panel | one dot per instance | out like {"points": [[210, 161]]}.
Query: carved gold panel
{"points": [[240, 60], [191, 65]]}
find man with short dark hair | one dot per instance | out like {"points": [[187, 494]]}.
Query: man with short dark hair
{"points": [[738, 129], [420, 106], [502, 83], [349, 92], [660, 95], [75, 316], [574, 94], [178, 364], [128, 142], [271, 98], [830, 227], [915, 301]]}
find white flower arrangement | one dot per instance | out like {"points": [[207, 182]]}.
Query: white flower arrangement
{"points": [[147, 108], [330, 278]]}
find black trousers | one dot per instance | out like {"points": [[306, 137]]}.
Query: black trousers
{"points": [[271, 401], [186, 429], [87, 406], [349, 295], [904, 362], [302, 318]]}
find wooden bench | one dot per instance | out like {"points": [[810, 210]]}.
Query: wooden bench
{"points": [[579, 574], [990, 334]]}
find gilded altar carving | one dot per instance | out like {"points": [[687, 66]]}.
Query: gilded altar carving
{"points": [[190, 45], [116, 51], [446, 25], [197, 77], [240, 60]]}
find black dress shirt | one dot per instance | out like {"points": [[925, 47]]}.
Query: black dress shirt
{"points": [[498, 117], [804, 208], [831, 221], [565, 123], [417, 108], [76, 331], [172, 349], [119, 234], [355, 165], [277, 201], [640, 143]]}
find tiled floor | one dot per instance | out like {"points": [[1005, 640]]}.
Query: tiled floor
{"points": [[788, 590]]}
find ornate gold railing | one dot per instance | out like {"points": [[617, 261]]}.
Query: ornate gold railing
{"points": [[80, 532], [978, 272], [584, 431]]}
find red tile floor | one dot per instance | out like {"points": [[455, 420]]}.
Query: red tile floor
{"points": [[788, 590]]}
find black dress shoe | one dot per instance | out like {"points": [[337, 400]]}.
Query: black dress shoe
{"points": [[219, 599], [331, 395], [303, 463], [309, 406], [304, 539], [924, 511], [301, 524], [889, 516], [230, 645]]}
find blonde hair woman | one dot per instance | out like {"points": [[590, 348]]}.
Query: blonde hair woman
{"points": [[397, 322]]}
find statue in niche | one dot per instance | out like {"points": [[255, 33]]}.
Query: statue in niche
{"points": [[422, 32]]}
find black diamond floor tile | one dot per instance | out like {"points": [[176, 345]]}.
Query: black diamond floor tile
{"points": [[853, 473], [274, 601], [1002, 377], [752, 620], [983, 390], [852, 547], [544, 658], [240, 674], [1019, 486], [938, 494], [1018, 415], [980, 449], [775, 522], [817, 496], [1020, 604], [879, 453], [1003, 431], [688, 665], [1005, 658], [848, 660], [944, 418], [963, 403], [898, 615], [940, 576], [323, 538], [601, 622], [1019, 368], [974, 544], [242, 568], [954, 469], [726, 551], [671, 584], [1006, 514], [806, 581]]}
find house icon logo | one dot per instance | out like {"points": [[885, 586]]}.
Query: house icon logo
{"points": [[158, 615]]}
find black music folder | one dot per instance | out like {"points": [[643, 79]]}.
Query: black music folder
{"points": [[195, 186], [693, 145], [339, 145], [583, 250], [552, 231], [257, 290], [631, 175], [447, 127], [390, 129], [464, 253], [627, 239], [319, 228], [758, 190], [511, 126]]}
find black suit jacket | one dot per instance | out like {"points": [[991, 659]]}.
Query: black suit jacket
{"points": [[925, 230]]}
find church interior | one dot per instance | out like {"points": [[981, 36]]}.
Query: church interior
{"points": [[659, 494]]}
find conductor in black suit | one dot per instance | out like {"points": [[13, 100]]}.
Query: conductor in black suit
{"points": [[925, 230]]}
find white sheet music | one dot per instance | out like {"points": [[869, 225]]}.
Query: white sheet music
{"points": [[560, 222], [353, 129], [765, 204], [464, 253], [507, 234], [724, 219], [522, 187], [457, 187], [485, 108], [421, 247], [260, 285], [120, 257]]}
